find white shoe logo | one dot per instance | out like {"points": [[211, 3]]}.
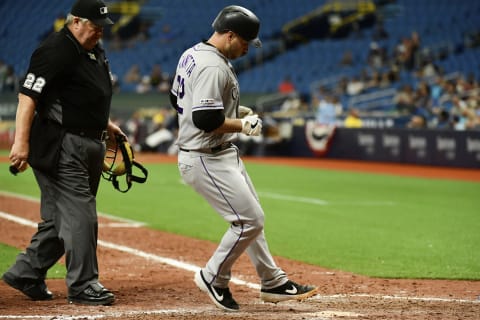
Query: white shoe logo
{"points": [[218, 297], [292, 291]]}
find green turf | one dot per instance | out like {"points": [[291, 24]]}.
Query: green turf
{"points": [[8, 255], [372, 224]]}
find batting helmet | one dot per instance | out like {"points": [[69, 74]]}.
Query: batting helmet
{"points": [[239, 20]]}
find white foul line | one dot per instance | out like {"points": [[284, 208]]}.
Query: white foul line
{"points": [[320, 202], [124, 222]]}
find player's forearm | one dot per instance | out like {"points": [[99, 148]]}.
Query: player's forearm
{"points": [[230, 125]]}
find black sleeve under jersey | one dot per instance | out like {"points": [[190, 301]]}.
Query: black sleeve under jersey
{"points": [[208, 120], [173, 100]]}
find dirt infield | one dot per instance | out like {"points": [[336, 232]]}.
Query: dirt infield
{"points": [[151, 273]]}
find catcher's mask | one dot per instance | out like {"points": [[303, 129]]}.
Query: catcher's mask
{"points": [[125, 167]]}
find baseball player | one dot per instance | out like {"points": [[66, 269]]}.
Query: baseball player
{"points": [[205, 92]]}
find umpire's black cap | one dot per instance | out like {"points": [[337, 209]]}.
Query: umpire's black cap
{"points": [[93, 10]]}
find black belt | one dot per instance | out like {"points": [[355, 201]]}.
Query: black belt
{"points": [[215, 149], [97, 134]]}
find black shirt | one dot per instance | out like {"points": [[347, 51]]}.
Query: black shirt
{"points": [[70, 84]]}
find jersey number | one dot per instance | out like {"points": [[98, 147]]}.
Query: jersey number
{"points": [[34, 83], [180, 91]]}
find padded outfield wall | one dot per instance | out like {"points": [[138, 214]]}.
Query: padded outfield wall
{"points": [[425, 147]]}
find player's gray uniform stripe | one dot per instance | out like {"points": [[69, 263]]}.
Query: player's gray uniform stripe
{"points": [[239, 221]]}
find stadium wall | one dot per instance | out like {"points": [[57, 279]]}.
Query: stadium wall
{"points": [[425, 147]]}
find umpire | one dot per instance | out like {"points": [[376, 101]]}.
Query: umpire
{"points": [[62, 122]]}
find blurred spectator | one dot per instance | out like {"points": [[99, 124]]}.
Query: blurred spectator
{"points": [[355, 86], [116, 43], [417, 122], [385, 80], [463, 116], [406, 50], [442, 120], [374, 81], [427, 69], [326, 112], [3, 73], [293, 105], [59, 22], [143, 33], [115, 83], [338, 105], [144, 85], [462, 85], [286, 85], [436, 90], [404, 100], [347, 59], [423, 100], [458, 123], [448, 92], [376, 57], [167, 35], [159, 80], [160, 137], [10, 82], [353, 119], [133, 75], [341, 86], [379, 32]]}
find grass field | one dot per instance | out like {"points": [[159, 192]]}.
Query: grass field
{"points": [[372, 224]]}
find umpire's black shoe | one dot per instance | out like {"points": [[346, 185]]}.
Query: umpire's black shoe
{"points": [[94, 295], [288, 291], [34, 289], [220, 296]]}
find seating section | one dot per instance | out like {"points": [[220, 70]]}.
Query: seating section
{"points": [[443, 25]]}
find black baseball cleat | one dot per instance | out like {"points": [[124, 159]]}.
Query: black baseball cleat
{"points": [[222, 297], [94, 295], [34, 289], [288, 291]]}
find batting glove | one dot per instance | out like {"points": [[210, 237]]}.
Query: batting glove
{"points": [[251, 125], [244, 111]]}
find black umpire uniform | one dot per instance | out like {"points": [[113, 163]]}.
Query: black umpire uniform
{"points": [[72, 89]]}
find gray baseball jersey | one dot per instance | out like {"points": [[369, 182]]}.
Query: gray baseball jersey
{"points": [[205, 80]]}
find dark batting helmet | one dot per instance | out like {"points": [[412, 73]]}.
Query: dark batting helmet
{"points": [[239, 20]]}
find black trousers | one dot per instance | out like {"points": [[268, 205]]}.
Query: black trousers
{"points": [[69, 214]]}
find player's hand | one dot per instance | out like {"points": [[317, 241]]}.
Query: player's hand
{"points": [[251, 125], [244, 111]]}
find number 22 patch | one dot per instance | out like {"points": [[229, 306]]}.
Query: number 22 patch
{"points": [[34, 83]]}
